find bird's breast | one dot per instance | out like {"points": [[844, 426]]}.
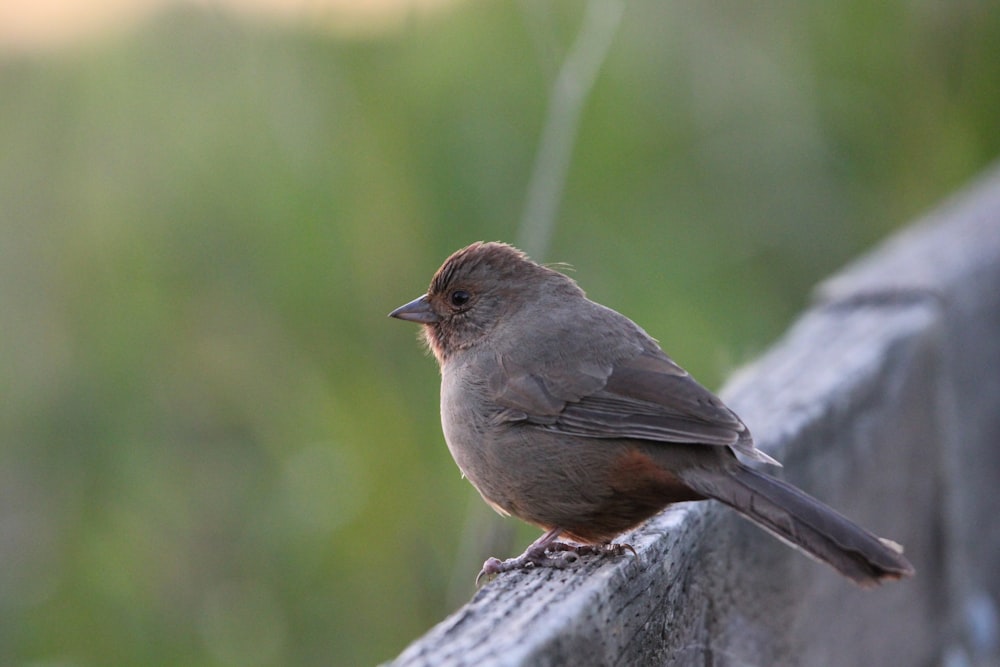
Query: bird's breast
{"points": [[463, 422], [479, 443]]}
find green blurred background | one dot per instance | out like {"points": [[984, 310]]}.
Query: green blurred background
{"points": [[214, 447]]}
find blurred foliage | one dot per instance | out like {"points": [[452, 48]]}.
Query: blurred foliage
{"points": [[216, 450]]}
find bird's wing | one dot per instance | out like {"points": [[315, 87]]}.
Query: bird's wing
{"points": [[647, 396], [652, 398]]}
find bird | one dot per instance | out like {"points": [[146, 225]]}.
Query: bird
{"points": [[566, 414]]}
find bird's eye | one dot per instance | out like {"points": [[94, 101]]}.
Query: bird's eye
{"points": [[460, 297]]}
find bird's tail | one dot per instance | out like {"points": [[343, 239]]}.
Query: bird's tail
{"points": [[804, 522]]}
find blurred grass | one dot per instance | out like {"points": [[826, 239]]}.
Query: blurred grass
{"points": [[215, 448]]}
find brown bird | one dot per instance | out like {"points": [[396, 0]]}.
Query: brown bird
{"points": [[566, 414]]}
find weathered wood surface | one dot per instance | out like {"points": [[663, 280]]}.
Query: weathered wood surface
{"points": [[883, 400]]}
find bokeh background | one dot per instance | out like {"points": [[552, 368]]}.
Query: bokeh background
{"points": [[214, 447]]}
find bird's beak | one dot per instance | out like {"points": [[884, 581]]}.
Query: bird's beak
{"points": [[418, 310]]}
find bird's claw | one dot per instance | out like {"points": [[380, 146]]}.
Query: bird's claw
{"points": [[557, 555]]}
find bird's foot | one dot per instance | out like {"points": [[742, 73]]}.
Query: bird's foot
{"points": [[557, 555]]}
